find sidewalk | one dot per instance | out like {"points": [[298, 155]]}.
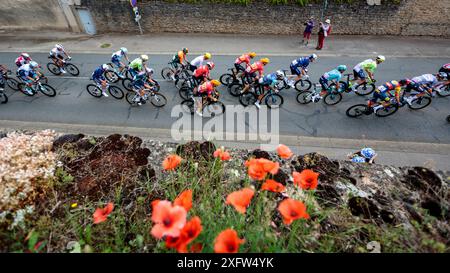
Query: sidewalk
{"points": [[226, 44]]}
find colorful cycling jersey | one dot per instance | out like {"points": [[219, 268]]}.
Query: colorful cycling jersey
{"points": [[137, 64], [21, 61], [255, 67], [202, 71], [139, 80], [179, 57], [333, 75], [245, 58], [118, 55], [207, 87], [269, 80], [446, 66], [198, 61], [389, 86], [26, 71], [427, 79], [301, 62], [98, 73], [367, 65]]}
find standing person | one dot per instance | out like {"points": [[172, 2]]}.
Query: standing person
{"points": [[324, 31], [309, 25]]}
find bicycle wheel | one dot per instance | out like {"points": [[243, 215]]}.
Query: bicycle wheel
{"points": [[13, 84], [158, 99], [111, 76], [94, 90], [72, 69], [54, 69], [444, 91], [185, 92], [357, 110], [448, 118], [167, 73], [22, 88], [385, 112], [304, 97], [332, 98], [364, 89], [3, 98], [247, 99], [130, 97], [419, 103], [274, 101], [226, 79], [302, 85], [213, 109], [180, 83], [235, 89], [47, 90], [127, 84], [188, 106], [116, 92]]}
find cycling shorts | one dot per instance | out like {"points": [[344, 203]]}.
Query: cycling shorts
{"points": [[359, 74], [295, 70], [99, 80], [56, 56], [324, 83], [116, 61], [382, 96], [239, 67]]}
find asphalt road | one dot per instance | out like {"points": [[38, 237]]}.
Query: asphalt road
{"points": [[73, 105]]}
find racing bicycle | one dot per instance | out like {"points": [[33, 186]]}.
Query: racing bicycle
{"points": [[96, 90], [333, 96], [210, 108], [35, 87], [379, 110], [54, 68], [156, 98]]}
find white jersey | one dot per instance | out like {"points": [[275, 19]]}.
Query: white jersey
{"points": [[55, 51], [426, 79], [118, 54], [198, 61], [25, 70]]}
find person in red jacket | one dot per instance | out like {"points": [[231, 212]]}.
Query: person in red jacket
{"points": [[324, 31], [201, 74]]}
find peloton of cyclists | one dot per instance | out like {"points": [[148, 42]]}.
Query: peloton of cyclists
{"points": [[57, 55]]}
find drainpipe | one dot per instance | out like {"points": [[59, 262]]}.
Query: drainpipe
{"points": [[324, 8], [69, 15]]}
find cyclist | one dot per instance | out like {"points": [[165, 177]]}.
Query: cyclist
{"points": [[149, 75], [366, 69], [299, 67], [56, 54], [446, 69], [244, 58], [330, 77], [269, 82], [251, 72], [138, 65], [366, 155], [116, 59], [24, 58], [422, 84], [27, 73], [179, 61], [206, 90], [140, 82], [99, 78], [383, 93], [197, 62], [202, 73]]}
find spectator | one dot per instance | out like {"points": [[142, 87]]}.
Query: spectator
{"points": [[309, 25], [324, 31]]}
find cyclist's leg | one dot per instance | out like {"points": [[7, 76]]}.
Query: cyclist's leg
{"points": [[325, 86]]}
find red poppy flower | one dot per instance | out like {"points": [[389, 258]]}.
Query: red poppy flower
{"points": [[272, 185], [188, 234], [258, 168], [284, 151], [292, 210], [171, 162], [227, 242], [223, 155], [184, 200], [168, 219], [101, 214], [196, 248], [307, 179], [240, 199]]}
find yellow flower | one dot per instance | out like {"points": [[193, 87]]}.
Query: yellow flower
{"points": [[74, 205]]}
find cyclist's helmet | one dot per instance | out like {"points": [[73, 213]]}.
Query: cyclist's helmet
{"points": [[215, 82], [368, 153], [105, 67], [33, 64], [265, 61], [150, 71], [211, 65], [252, 54], [185, 50], [358, 159], [280, 74], [124, 50], [328, 21], [342, 68], [59, 46], [381, 58], [313, 57], [442, 76], [207, 56], [144, 58], [405, 82], [25, 55]]}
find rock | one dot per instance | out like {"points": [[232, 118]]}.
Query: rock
{"points": [[70, 138], [260, 154]]}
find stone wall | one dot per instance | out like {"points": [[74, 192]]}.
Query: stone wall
{"points": [[32, 15], [411, 17]]}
